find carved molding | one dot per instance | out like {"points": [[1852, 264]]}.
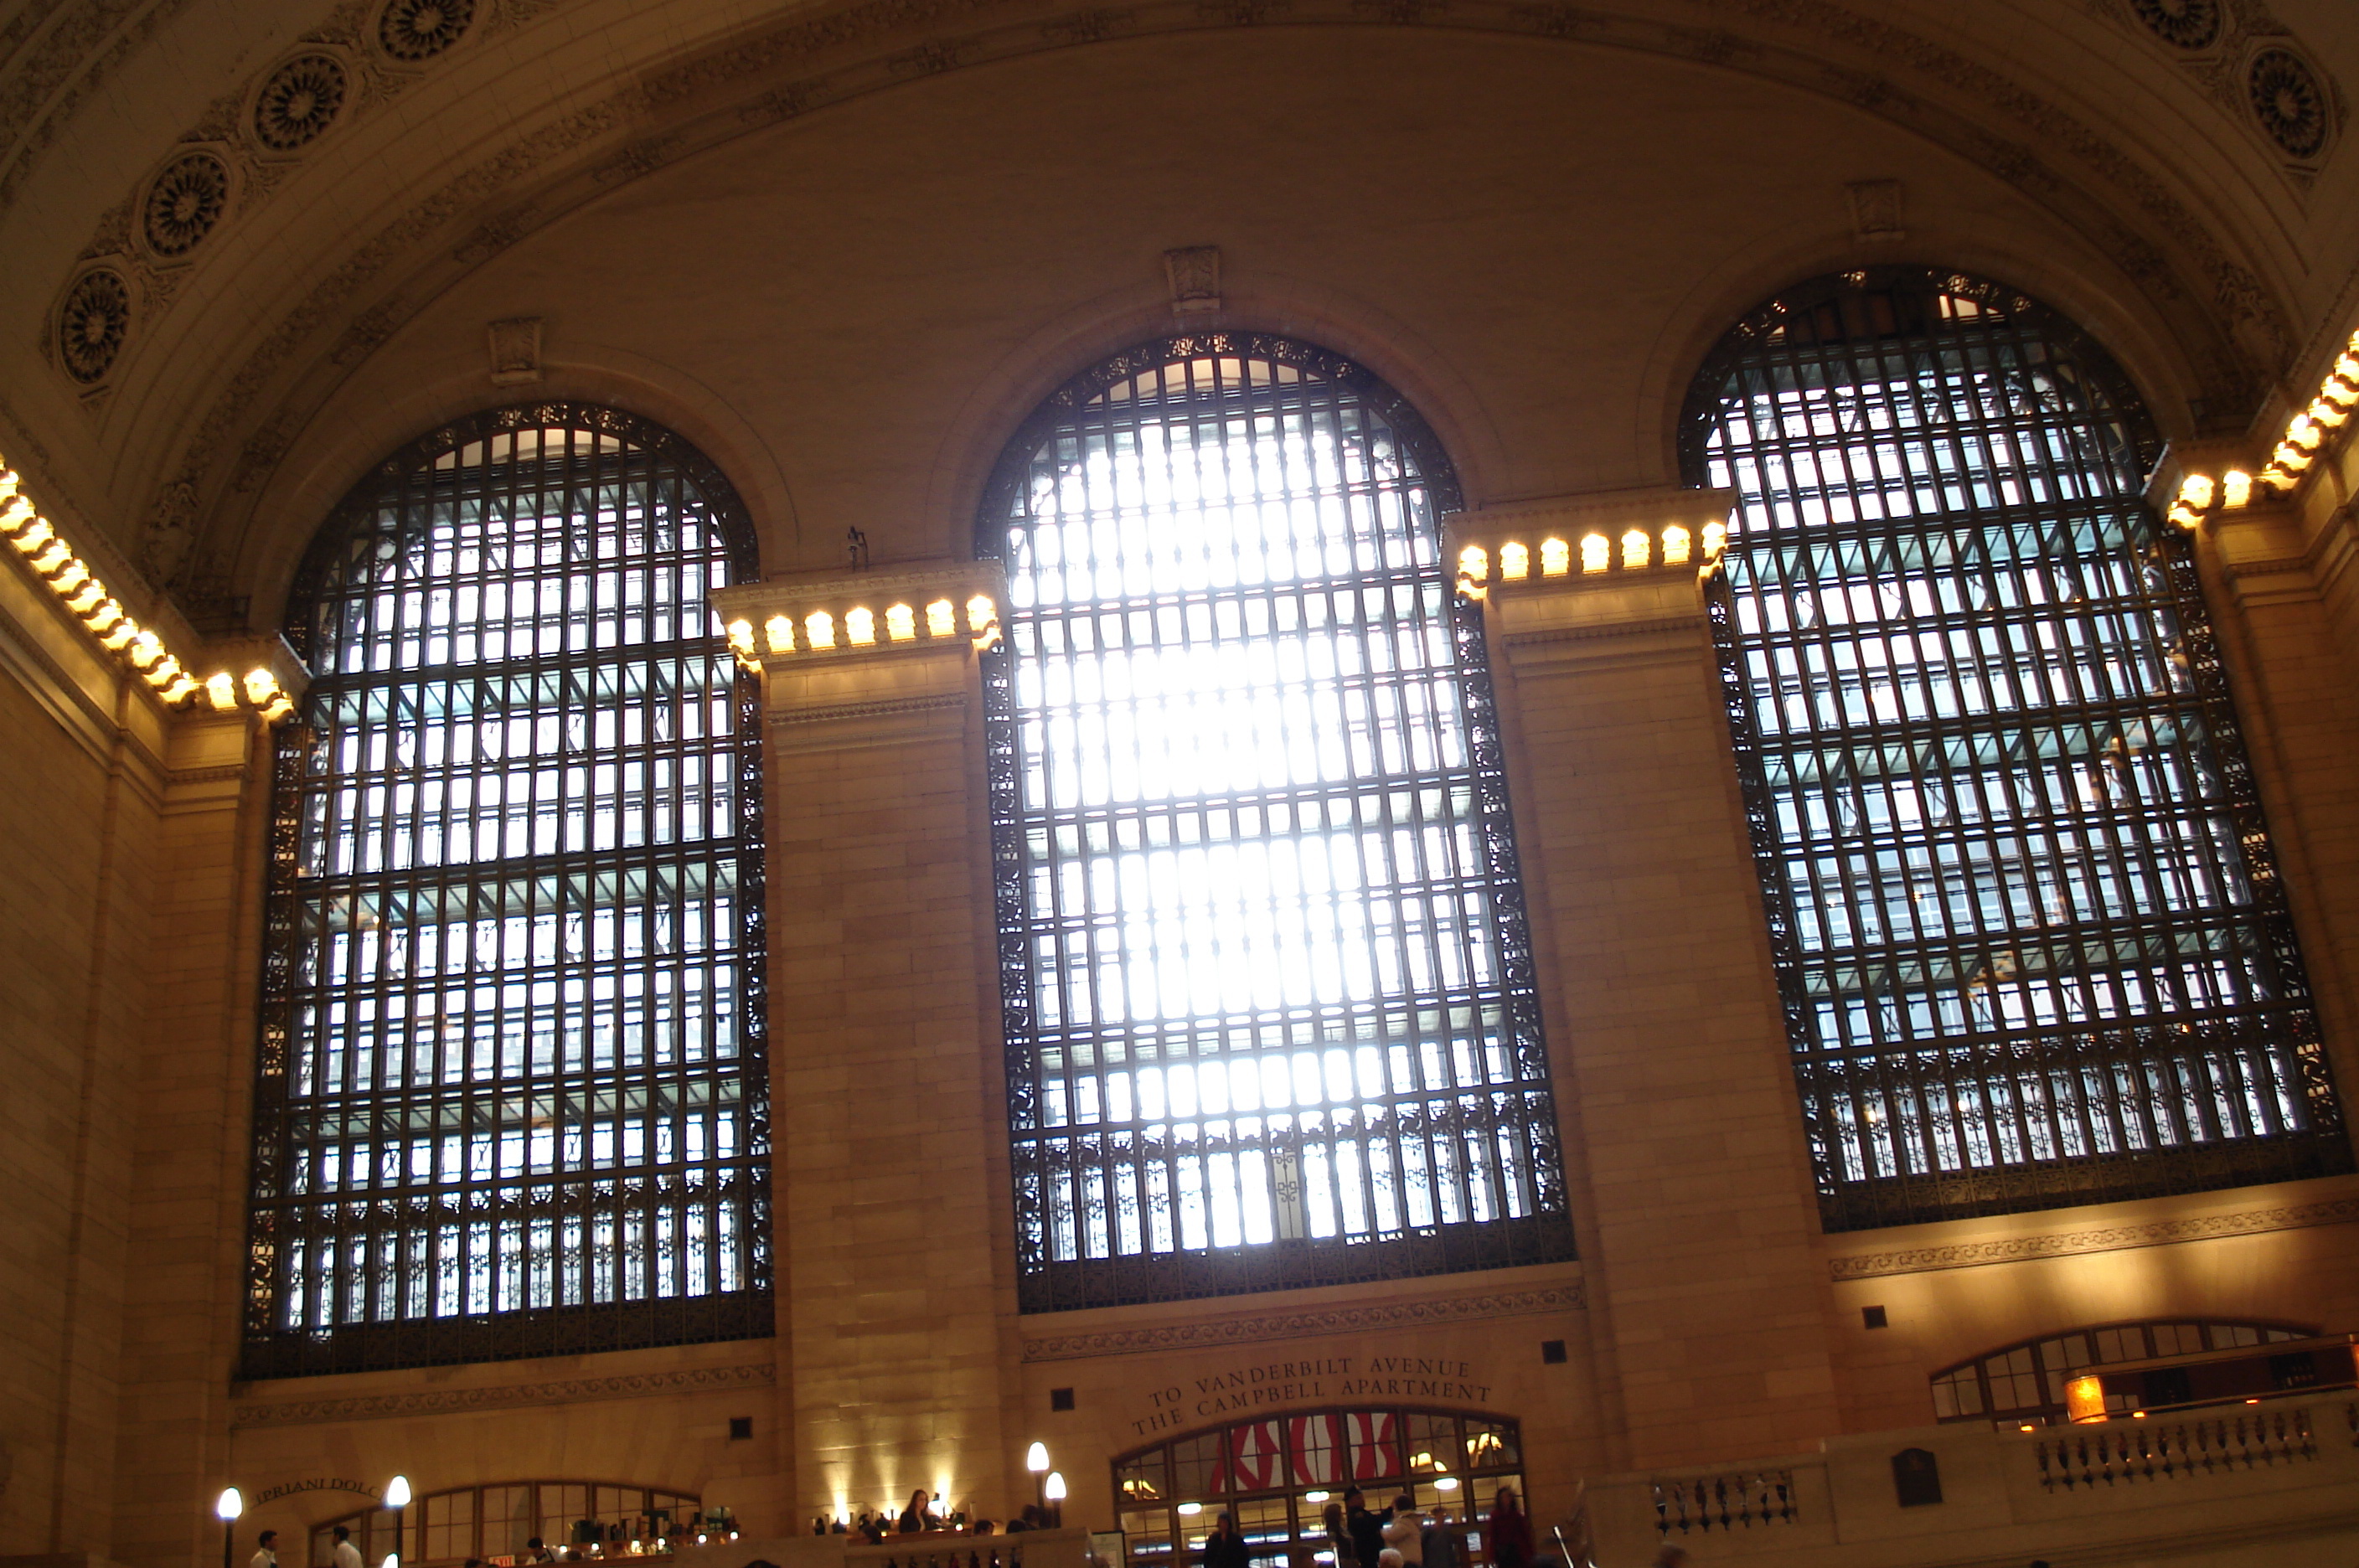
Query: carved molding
{"points": [[856, 713], [449, 1402], [1609, 629], [826, 47], [2112, 1239], [1215, 1332]]}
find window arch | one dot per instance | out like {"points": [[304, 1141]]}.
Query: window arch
{"points": [[494, 1523], [512, 1097], [1270, 1009], [1277, 1474], [2029, 932], [2024, 1384]]}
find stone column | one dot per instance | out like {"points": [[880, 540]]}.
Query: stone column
{"points": [[182, 1318], [894, 1254], [2280, 576], [1700, 1239]]}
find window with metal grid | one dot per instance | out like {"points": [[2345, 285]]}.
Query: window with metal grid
{"points": [[511, 1095], [2032, 943], [1270, 1017]]}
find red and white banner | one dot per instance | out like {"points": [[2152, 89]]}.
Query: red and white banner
{"points": [[1374, 1439], [1257, 1456], [1317, 1442]]}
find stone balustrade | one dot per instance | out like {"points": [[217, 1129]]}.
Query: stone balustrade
{"points": [[2278, 1480]]}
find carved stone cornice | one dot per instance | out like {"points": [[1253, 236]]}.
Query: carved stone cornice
{"points": [[458, 1401], [2112, 1238], [1211, 1333], [779, 70]]}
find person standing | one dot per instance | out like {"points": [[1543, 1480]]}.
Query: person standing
{"points": [[266, 1555], [1511, 1533], [1367, 1528], [1441, 1542], [346, 1554], [1339, 1537], [1404, 1530], [1226, 1547]]}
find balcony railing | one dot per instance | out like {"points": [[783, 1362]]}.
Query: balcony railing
{"points": [[2283, 1469]]}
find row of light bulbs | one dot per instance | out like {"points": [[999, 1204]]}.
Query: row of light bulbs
{"points": [[86, 598], [2307, 434], [1638, 549], [819, 630]]}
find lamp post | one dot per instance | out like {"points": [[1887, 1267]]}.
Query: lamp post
{"points": [[1054, 1490], [396, 1498], [226, 1507], [1036, 1459]]}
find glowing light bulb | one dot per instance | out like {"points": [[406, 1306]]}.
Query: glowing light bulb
{"points": [[2236, 489], [1637, 547], [1036, 1458], [941, 619], [1515, 560], [2196, 490], [1474, 563], [230, 1504], [860, 626], [900, 623], [780, 633], [740, 637], [819, 626], [1556, 558], [221, 689], [259, 686], [1677, 543], [397, 1491]]}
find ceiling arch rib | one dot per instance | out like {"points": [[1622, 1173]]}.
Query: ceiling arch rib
{"points": [[2229, 325]]}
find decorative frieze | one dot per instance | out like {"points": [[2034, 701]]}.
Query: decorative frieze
{"points": [[454, 1401], [2111, 1238], [1213, 1332]]}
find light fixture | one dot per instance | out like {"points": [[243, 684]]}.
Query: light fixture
{"points": [[1189, 1510], [226, 1507], [396, 1492], [1056, 1487], [1036, 1458], [1315, 1496], [1446, 1484]]}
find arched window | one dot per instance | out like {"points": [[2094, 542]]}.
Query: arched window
{"points": [[512, 1098], [494, 1523], [1268, 994], [1278, 1474], [2023, 1385], [2032, 943]]}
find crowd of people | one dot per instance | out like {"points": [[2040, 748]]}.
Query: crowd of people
{"points": [[923, 1514], [1403, 1535]]}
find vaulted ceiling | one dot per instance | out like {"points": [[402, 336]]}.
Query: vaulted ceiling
{"points": [[220, 218]]}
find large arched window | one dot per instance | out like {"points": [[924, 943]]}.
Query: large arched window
{"points": [[2023, 1385], [1269, 995], [512, 1098], [2031, 939]]}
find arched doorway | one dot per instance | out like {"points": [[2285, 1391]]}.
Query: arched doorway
{"points": [[1277, 1474]]}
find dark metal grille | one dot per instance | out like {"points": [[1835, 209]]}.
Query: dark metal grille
{"points": [[512, 1095], [2032, 942], [1270, 1017]]}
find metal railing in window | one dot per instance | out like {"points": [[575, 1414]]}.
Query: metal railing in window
{"points": [[2031, 939], [1269, 1007], [512, 1097]]}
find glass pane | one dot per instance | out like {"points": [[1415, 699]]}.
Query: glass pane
{"points": [[1261, 989], [512, 1046], [2001, 805]]}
